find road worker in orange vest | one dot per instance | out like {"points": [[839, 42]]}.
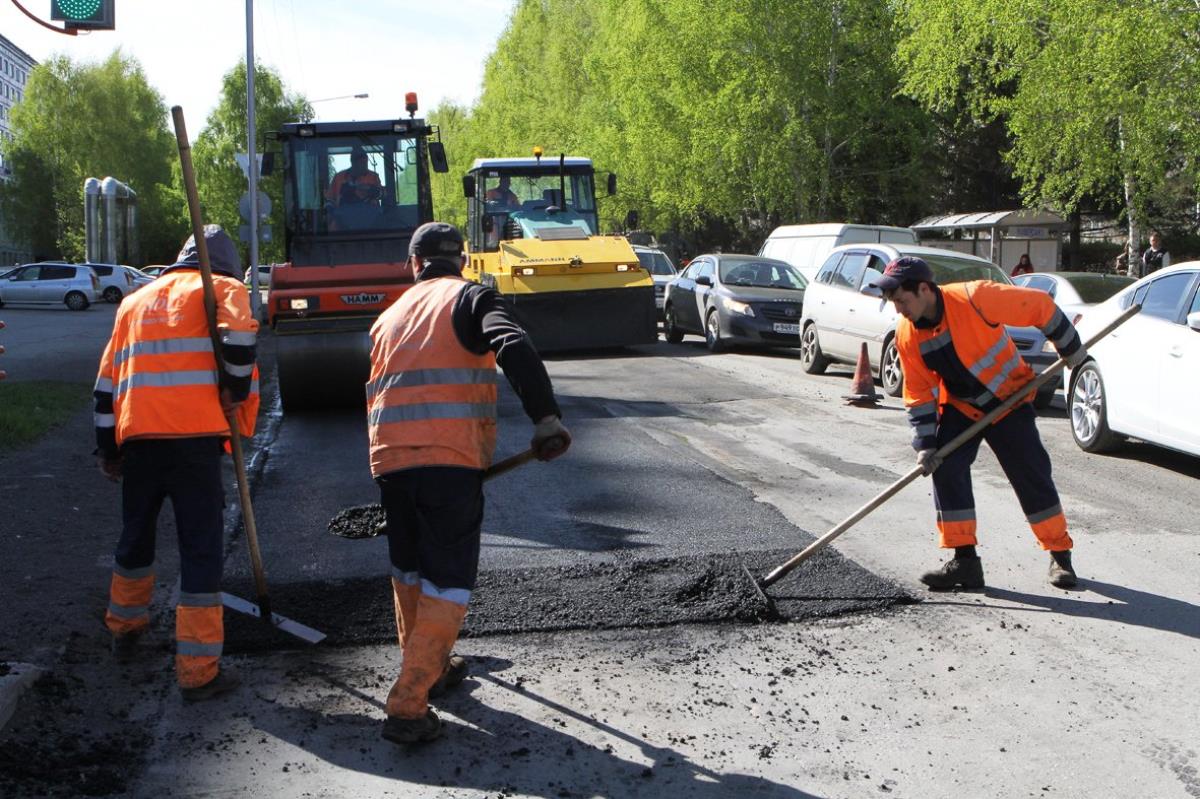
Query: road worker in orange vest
{"points": [[959, 363], [431, 406], [161, 430]]}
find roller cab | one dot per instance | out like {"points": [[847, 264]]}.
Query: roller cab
{"points": [[354, 193], [532, 235]]}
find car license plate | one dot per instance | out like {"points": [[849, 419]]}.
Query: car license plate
{"points": [[781, 327]]}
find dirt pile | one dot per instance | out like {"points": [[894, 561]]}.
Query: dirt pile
{"points": [[359, 521]]}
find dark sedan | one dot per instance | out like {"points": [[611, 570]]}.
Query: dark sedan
{"points": [[736, 299]]}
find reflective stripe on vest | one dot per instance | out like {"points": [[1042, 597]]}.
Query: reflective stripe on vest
{"points": [[430, 401]]}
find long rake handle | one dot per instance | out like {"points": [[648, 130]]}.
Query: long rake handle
{"points": [[210, 309], [962, 438]]}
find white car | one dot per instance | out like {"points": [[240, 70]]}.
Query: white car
{"points": [[1142, 380], [661, 272], [72, 285], [138, 277], [1075, 292], [115, 281], [841, 311]]}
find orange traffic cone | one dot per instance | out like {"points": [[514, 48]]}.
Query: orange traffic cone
{"points": [[863, 385]]}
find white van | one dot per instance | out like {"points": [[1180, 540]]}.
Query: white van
{"points": [[806, 246]]}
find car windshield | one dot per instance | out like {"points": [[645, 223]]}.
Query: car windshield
{"points": [[655, 263], [1098, 288], [762, 274], [948, 269]]}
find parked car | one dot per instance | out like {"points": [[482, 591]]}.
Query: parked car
{"points": [[735, 299], [139, 277], [807, 246], [115, 282], [264, 276], [1073, 292], [155, 270], [661, 272], [841, 311], [1143, 379], [73, 285]]}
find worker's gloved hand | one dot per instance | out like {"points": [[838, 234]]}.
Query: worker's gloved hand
{"points": [[928, 460], [110, 468], [550, 438], [1076, 359], [228, 405]]}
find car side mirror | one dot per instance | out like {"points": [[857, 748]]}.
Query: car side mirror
{"points": [[468, 186], [704, 280], [1193, 321], [437, 157], [268, 164], [871, 291], [612, 183]]}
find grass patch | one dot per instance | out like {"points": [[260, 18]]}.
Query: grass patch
{"points": [[29, 409]]}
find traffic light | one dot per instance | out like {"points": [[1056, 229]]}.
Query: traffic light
{"points": [[96, 15]]}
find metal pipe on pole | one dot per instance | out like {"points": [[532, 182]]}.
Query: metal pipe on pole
{"points": [[252, 162]]}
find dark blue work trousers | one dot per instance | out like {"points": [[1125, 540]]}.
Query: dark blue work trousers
{"points": [[434, 517], [188, 472]]}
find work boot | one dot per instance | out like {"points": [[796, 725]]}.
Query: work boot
{"points": [[455, 673], [958, 571], [125, 646], [225, 681], [1062, 574], [412, 731]]}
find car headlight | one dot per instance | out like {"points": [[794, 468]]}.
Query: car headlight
{"points": [[739, 307]]}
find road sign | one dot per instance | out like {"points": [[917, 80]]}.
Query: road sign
{"points": [[264, 233], [243, 160], [264, 206]]}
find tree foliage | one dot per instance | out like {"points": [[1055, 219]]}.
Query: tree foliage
{"points": [[80, 120], [219, 179], [723, 117], [1094, 93]]}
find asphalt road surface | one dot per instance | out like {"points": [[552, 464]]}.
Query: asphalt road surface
{"points": [[691, 460], [55, 343]]}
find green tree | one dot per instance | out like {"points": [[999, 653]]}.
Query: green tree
{"points": [[219, 180], [80, 120], [1092, 92]]}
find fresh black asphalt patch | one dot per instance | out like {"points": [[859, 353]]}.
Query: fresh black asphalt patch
{"points": [[622, 593]]}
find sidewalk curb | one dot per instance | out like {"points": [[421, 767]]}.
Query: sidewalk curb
{"points": [[14, 682]]}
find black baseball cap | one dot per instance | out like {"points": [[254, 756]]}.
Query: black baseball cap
{"points": [[898, 270], [436, 240]]}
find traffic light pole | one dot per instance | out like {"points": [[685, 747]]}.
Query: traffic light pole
{"points": [[252, 162]]}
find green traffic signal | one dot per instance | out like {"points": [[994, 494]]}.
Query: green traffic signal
{"points": [[77, 9], [83, 14]]}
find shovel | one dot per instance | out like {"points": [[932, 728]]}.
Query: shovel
{"points": [[263, 609], [495, 470], [760, 585]]}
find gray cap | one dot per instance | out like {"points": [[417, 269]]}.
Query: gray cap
{"points": [[436, 240], [222, 253]]}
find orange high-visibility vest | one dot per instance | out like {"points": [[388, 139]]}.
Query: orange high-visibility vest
{"points": [[159, 363], [969, 349], [430, 401]]}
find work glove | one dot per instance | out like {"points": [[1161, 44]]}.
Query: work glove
{"points": [[550, 438], [1076, 359], [110, 468], [928, 460]]}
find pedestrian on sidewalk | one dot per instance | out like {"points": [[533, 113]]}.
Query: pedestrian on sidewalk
{"points": [[431, 405], [1155, 257], [959, 363], [162, 424]]}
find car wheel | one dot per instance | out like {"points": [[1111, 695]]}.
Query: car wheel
{"points": [[112, 294], [890, 373], [712, 332], [1089, 411], [76, 301], [671, 331], [811, 359]]}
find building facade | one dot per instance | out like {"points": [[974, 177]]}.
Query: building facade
{"points": [[15, 66]]}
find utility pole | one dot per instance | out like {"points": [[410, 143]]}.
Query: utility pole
{"points": [[252, 168]]}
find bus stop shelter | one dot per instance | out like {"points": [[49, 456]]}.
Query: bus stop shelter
{"points": [[1002, 237]]}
